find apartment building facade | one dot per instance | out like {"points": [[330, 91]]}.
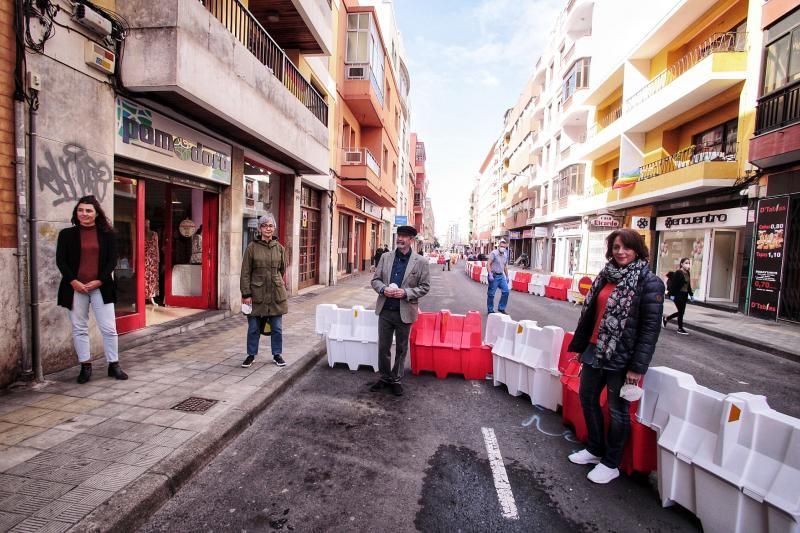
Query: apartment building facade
{"points": [[654, 139], [369, 118], [215, 114], [774, 277]]}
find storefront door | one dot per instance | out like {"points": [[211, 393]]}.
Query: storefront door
{"points": [[359, 246], [129, 273], [309, 237], [722, 267], [191, 248]]}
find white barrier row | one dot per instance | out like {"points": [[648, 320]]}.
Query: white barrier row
{"points": [[351, 335], [730, 459], [525, 358], [538, 283]]}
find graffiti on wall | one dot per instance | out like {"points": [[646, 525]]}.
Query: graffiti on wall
{"points": [[74, 174]]}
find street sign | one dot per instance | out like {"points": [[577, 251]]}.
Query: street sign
{"points": [[400, 220], [584, 284]]}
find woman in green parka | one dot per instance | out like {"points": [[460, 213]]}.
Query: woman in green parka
{"points": [[262, 286]]}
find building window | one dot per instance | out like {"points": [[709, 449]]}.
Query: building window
{"points": [[364, 47], [782, 58], [385, 159], [420, 153], [720, 138], [576, 78], [570, 181]]}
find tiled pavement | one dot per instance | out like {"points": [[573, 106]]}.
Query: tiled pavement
{"points": [[66, 449]]}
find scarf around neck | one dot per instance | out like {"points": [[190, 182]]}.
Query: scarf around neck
{"points": [[619, 302]]}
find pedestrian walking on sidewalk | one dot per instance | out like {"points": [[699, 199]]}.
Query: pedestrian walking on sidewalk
{"points": [[86, 256], [401, 279], [616, 337], [377, 257], [679, 290], [262, 286], [498, 277]]}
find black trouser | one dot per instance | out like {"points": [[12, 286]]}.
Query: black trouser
{"points": [[610, 447], [680, 302], [390, 323]]}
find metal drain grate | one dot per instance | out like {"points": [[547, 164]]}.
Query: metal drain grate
{"points": [[195, 405]]}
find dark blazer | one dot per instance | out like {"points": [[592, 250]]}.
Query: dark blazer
{"points": [[68, 260], [638, 341]]}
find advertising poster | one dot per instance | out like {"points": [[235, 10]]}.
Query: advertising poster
{"points": [[768, 258]]}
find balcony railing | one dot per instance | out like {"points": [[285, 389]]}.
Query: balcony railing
{"points": [[366, 70], [687, 157], [361, 156], [246, 28], [778, 109], [718, 42], [605, 121]]}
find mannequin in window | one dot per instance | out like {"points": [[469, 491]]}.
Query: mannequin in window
{"points": [[197, 247], [150, 263]]}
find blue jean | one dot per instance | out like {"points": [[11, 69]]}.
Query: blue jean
{"points": [[106, 322], [498, 281], [593, 380], [254, 335]]}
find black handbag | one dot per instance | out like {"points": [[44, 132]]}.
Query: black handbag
{"points": [[264, 326]]}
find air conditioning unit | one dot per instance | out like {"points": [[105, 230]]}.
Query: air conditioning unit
{"points": [[355, 73], [352, 157]]}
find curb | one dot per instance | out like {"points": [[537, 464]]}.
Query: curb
{"points": [[130, 508], [766, 348]]}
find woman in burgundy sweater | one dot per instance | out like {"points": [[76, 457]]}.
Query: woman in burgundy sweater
{"points": [[616, 337], [86, 255]]}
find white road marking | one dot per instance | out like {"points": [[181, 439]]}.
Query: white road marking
{"points": [[501, 483]]}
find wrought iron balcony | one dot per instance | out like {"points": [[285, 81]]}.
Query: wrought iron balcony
{"points": [[778, 109], [718, 42], [687, 157], [246, 28]]}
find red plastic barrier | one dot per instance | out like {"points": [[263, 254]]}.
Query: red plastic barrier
{"points": [[521, 280], [476, 273], [566, 356], [640, 454], [557, 288], [449, 344]]}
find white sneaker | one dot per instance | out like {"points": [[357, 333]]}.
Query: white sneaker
{"points": [[601, 474], [583, 457]]}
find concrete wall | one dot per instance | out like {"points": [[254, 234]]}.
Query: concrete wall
{"points": [[74, 157], [9, 319], [199, 58]]}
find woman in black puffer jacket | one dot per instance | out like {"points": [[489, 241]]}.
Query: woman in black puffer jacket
{"points": [[616, 337]]}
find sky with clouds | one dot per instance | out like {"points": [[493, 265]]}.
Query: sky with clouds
{"points": [[468, 61]]}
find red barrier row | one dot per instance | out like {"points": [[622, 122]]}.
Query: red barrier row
{"points": [[476, 273], [557, 288], [521, 280], [449, 344], [640, 454]]}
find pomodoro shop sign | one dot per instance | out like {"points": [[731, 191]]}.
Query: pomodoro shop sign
{"points": [[147, 136], [722, 218]]}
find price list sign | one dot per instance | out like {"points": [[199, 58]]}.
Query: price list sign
{"points": [[768, 261]]}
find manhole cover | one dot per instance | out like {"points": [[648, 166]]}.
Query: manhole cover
{"points": [[195, 405]]}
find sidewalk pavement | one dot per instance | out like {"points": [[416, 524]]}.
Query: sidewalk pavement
{"points": [[778, 338], [105, 455]]}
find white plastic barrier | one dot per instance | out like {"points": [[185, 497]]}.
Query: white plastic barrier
{"points": [[494, 327], [324, 318], [538, 283], [540, 357], [525, 359], [484, 275], [512, 275], [731, 460], [353, 338]]}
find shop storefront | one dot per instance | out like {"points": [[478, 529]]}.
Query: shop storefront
{"points": [[712, 240], [567, 244], [540, 259], [167, 182], [515, 244], [599, 227]]}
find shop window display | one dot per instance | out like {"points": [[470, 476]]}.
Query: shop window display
{"points": [[677, 244]]}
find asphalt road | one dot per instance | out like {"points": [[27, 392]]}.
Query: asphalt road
{"points": [[331, 456]]}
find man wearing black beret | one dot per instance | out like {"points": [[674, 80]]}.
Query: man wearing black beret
{"points": [[401, 278]]}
